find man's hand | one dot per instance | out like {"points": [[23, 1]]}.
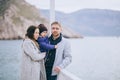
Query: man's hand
{"points": [[57, 69]]}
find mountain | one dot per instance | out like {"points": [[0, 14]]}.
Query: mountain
{"points": [[17, 15], [66, 29], [90, 22]]}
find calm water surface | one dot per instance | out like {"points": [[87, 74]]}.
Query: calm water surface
{"points": [[94, 58]]}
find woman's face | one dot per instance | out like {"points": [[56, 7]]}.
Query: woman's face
{"points": [[36, 34]]}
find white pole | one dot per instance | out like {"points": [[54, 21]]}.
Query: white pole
{"points": [[52, 12]]}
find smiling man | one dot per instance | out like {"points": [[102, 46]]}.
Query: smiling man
{"points": [[57, 59]]}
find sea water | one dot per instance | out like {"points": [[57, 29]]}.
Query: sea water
{"points": [[94, 58]]}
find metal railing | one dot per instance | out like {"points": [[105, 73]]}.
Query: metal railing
{"points": [[65, 75]]}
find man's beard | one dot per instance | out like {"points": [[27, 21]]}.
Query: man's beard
{"points": [[55, 34]]}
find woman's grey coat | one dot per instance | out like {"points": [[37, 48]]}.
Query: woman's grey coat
{"points": [[32, 66]]}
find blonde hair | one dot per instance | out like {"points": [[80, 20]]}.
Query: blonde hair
{"points": [[56, 23]]}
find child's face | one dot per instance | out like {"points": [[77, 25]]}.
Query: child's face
{"points": [[44, 33]]}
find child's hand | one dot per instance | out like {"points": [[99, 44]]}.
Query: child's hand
{"points": [[56, 46]]}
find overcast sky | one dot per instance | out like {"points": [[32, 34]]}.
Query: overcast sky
{"points": [[68, 6]]}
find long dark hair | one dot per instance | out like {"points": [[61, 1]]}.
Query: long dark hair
{"points": [[30, 32]]}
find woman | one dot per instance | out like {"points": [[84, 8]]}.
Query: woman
{"points": [[32, 60]]}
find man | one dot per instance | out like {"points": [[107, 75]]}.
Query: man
{"points": [[59, 58]]}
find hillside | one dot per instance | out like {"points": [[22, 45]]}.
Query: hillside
{"points": [[16, 16], [91, 22]]}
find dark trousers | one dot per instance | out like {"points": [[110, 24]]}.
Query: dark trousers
{"points": [[48, 74], [52, 77]]}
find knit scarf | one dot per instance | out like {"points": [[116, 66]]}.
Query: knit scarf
{"points": [[56, 41]]}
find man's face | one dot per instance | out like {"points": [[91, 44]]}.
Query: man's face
{"points": [[56, 30]]}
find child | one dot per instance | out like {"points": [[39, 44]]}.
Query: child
{"points": [[43, 40]]}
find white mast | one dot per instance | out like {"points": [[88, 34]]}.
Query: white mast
{"points": [[52, 13]]}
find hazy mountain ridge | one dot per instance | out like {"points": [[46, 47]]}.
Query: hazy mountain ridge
{"points": [[91, 22]]}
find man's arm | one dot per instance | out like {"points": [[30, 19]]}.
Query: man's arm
{"points": [[67, 57]]}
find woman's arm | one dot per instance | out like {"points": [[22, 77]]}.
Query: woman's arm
{"points": [[29, 49]]}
